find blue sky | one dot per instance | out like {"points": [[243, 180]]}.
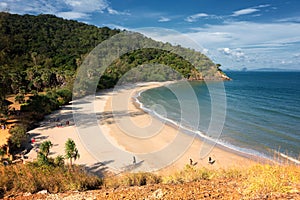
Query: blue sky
{"points": [[235, 33]]}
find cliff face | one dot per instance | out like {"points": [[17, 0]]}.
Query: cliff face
{"points": [[213, 74]]}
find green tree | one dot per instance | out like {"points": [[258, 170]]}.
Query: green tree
{"points": [[45, 148], [18, 136], [42, 159], [59, 160], [71, 151]]}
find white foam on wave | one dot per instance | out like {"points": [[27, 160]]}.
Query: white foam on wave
{"points": [[200, 134], [290, 158]]}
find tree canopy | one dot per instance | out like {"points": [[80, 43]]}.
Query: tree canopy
{"points": [[44, 51]]}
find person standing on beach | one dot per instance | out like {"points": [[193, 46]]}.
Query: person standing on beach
{"points": [[134, 160]]}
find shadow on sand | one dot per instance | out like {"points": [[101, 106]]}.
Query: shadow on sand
{"points": [[132, 167], [99, 169]]}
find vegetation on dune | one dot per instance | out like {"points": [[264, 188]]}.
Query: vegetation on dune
{"points": [[47, 173], [32, 177], [256, 182]]}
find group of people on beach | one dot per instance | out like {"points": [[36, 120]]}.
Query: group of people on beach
{"points": [[59, 124]]}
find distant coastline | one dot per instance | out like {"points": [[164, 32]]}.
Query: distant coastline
{"points": [[263, 70]]}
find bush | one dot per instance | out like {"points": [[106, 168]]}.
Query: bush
{"points": [[132, 179], [269, 179], [59, 160], [65, 96], [43, 104], [18, 137], [33, 178], [188, 174]]}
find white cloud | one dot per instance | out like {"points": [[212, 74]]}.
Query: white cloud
{"points": [[251, 44], [115, 26], [3, 5], [259, 47], [205, 51], [233, 53], [115, 12], [195, 17], [251, 10], [87, 5], [73, 15], [164, 19], [70, 9], [290, 19], [263, 6], [246, 11], [226, 51]]}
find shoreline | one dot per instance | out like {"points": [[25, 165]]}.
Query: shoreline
{"points": [[232, 158], [201, 136], [105, 159], [252, 154]]}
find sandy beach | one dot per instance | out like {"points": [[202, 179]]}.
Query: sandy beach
{"points": [[161, 145], [113, 133]]}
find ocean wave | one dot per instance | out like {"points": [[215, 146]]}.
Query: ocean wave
{"points": [[294, 160], [197, 133]]}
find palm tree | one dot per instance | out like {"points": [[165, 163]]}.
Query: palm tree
{"points": [[45, 148], [59, 160], [71, 150]]}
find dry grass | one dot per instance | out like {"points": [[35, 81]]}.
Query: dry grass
{"points": [[132, 179], [259, 181], [262, 180], [31, 178], [189, 174], [256, 182]]}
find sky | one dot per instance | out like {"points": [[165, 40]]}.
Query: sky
{"points": [[235, 33]]}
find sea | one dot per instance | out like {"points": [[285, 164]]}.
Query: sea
{"points": [[257, 113]]}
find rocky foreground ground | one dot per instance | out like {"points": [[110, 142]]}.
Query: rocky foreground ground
{"points": [[220, 189]]}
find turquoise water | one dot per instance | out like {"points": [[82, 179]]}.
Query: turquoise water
{"points": [[262, 111]]}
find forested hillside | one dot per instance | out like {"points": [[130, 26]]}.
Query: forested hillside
{"points": [[38, 52], [43, 51]]}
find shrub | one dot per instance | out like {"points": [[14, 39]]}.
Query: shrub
{"points": [[188, 174], [132, 179], [269, 179], [65, 96], [18, 137], [59, 160], [33, 178], [43, 104]]}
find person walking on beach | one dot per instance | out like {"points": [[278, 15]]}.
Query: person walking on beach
{"points": [[211, 161], [134, 160]]}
